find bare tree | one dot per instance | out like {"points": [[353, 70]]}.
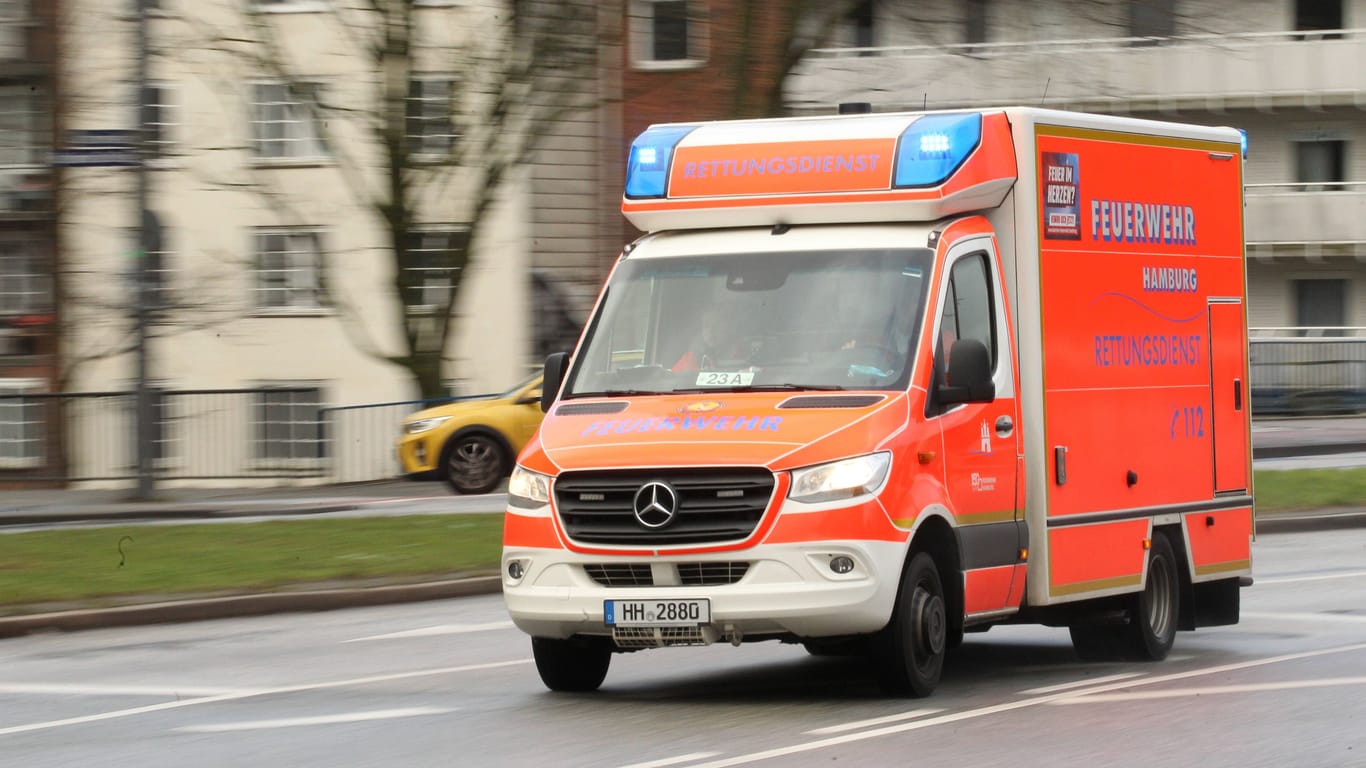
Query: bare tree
{"points": [[412, 140]]}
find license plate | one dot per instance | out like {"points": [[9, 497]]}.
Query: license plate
{"points": [[656, 613]]}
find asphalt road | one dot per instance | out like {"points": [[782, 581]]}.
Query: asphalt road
{"points": [[450, 683]]}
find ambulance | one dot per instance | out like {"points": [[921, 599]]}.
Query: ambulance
{"points": [[870, 382]]}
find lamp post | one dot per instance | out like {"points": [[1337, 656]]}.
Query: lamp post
{"points": [[148, 232]]}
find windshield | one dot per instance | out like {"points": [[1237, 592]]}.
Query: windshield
{"points": [[767, 321]]}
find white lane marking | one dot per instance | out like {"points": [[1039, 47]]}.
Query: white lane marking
{"points": [[73, 689], [251, 694], [1080, 683], [295, 722], [1297, 579], [993, 709], [441, 629], [873, 721], [1325, 618], [673, 760], [1173, 693]]}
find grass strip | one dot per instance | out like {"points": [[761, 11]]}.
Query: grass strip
{"points": [[1299, 489], [90, 564], [107, 566]]}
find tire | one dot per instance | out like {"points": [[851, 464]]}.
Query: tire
{"points": [[908, 653], [1152, 629], [473, 462], [571, 666], [1148, 629]]}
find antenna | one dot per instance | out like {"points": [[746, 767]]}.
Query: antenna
{"points": [[925, 103], [1045, 91]]}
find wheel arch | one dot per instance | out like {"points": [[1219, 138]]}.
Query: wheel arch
{"points": [[938, 538]]}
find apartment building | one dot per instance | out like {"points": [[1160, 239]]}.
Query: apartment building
{"points": [[28, 234], [274, 269], [1291, 73]]}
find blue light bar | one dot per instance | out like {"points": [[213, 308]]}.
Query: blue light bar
{"points": [[647, 169], [933, 147], [1242, 132]]}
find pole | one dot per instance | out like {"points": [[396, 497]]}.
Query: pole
{"points": [[145, 478]]}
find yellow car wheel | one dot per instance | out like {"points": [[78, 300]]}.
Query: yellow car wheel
{"points": [[474, 462]]}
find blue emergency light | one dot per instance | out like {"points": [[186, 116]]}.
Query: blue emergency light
{"points": [[647, 169], [933, 147]]}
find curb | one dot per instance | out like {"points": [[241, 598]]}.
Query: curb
{"points": [[246, 605], [97, 515]]}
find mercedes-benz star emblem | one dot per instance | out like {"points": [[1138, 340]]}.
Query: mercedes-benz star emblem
{"points": [[655, 504]]}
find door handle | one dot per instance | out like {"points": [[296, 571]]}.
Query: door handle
{"points": [[1237, 394], [1004, 426]]}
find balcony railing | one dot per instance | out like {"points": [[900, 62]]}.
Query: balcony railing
{"points": [[1326, 213], [1264, 69]]}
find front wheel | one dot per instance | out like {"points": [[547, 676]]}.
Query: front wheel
{"points": [[473, 462], [575, 665], [909, 652]]}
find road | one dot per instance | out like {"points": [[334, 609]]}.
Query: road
{"points": [[451, 683]]}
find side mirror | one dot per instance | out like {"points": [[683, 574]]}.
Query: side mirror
{"points": [[555, 366], [969, 379]]}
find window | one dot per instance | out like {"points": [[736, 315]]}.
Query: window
{"points": [[288, 423], [859, 22], [25, 289], [431, 131], [285, 123], [1320, 304], [21, 424], [1319, 162], [156, 115], [20, 127], [667, 34], [1312, 15], [975, 23], [1152, 20], [433, 255], [967, 308], [288, 269]]}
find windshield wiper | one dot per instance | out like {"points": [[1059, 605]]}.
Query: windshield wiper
{"points": [[613, 393]]}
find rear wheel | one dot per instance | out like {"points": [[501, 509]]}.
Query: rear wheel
{"points": [[575, 665], [473, 462], [909, 651], [1148, 629]]}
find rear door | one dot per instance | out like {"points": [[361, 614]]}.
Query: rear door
{"points": [[1228, 394]]}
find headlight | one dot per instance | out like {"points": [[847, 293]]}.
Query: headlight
{"points": [[422, 425], [527, 488], [840, 479]]}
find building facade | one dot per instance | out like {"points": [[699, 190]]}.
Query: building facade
{"points": [[29, 340], [1290, 73], [274, 275]]}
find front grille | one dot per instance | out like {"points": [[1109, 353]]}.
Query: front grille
{"points": [[713, 505], [621, 574], [657, 637], [711, 574], [705, 574]]}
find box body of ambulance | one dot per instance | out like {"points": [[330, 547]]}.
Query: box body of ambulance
{"points": [[874, 381]]}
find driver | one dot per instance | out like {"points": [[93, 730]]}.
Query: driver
{"points": [[715, 343]]}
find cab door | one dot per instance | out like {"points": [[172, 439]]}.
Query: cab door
{"points": [[981, 440]]}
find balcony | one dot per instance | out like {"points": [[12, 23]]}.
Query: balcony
{"points": [[1204, 72], [1329, 219]]}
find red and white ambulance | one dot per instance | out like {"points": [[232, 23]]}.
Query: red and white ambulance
{"points": [[874, 381]]}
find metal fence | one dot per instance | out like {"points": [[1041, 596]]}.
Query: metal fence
{"points": [[287, 433], [225, 434], [1300, 375]]}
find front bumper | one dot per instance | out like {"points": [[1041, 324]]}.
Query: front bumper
{"points": [[787, 589], [419, 453]]}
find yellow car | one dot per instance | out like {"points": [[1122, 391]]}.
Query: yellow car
{"points": [[471, 444]]}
